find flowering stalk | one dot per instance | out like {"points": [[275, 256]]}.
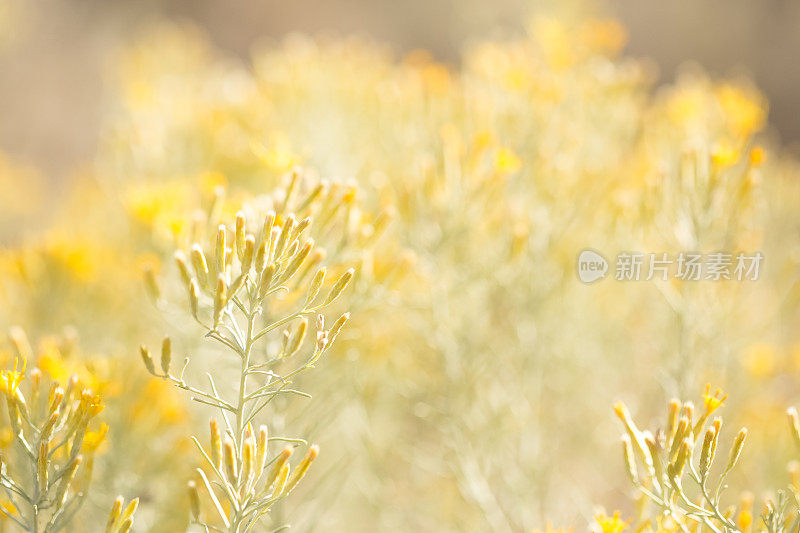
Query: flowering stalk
{"points": [[251, 288], [49, 466]]}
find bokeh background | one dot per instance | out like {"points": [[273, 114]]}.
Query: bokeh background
{"points": [[477, 355], [53, 88]]}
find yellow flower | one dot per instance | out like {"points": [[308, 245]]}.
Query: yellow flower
{"points": [[10, 379], [91, 403], [712, 403], [94, 439], [611, 524]]}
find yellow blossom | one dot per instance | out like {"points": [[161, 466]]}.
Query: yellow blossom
{"points": [[712, 402], [611, 524], [94, 439]]}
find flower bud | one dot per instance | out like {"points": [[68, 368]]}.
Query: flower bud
{"points": [[278, 465], [166, 355], [220, 299], [239, 234], [147, 359], [339, 286], [302, 468], [200, 265], [736, 450], [216, 445], [194, 500]]}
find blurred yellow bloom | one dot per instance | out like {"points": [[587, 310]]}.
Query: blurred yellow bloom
{"points": [[757, 156], [554, 39], [6, 437], [550, 529], [10, 379], [94, 439], [760, 359], [744, 108], [278, 154], [506, 161], [610, 524], [160, 205], [606, 36], [724, 154]]}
